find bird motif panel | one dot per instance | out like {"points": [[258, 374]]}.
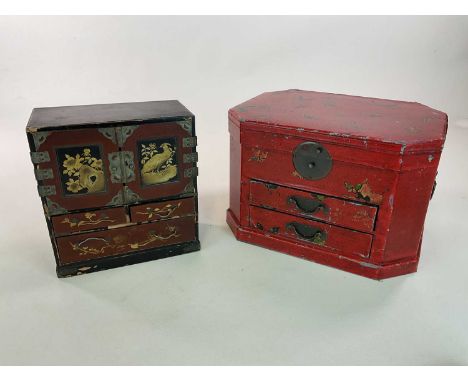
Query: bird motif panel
{"points": [[158, 161]]}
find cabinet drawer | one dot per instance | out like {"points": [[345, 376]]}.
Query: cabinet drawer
{"points": [[125, 240], [328, 209], [339, 240], [163, 210], [322, 169], [85, 221]]}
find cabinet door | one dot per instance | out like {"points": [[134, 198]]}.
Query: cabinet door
{"points": [[165, 160], [73, 169]]}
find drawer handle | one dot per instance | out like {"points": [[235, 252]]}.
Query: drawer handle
{"points": [[307, 205], [306, 232]]}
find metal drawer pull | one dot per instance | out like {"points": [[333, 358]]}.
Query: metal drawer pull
{"points": [[306, 232], [307, 205]]}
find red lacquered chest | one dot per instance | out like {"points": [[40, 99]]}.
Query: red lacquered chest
{"points": [[341, 180]]}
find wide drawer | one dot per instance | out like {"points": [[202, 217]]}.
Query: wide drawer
{"points": [[124, 240], [346, 242], [285, 160], [162, 210], [86, 221], [328, 209]]}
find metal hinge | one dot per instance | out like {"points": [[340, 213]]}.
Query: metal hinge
{"points": [[109, 133], [131, 196], [186, 124], [118, 135], [53, 208], [191, 172], [46, 190], [117, 199], [191, 158], [189, 142], [39, 138], [40, 157], [126, 195], [128, 165], [189, 188], [123, 132], [121, 166], [43, 173]]}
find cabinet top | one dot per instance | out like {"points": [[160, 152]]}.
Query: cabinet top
{"points": [[403, 125], [81, 115]]}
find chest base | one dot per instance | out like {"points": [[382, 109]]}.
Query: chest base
{"points": [[361, 268], [90, 266]]}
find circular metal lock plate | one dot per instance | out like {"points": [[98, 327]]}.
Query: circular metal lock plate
{"points": [[312, 161]]}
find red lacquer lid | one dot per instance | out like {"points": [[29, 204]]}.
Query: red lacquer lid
{"points": [[397, 125]]}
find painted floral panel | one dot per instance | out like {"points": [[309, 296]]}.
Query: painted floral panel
{"points": [[81, 170]]}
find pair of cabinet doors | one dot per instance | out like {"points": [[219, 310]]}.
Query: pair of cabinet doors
{"points": [[110, 166]]}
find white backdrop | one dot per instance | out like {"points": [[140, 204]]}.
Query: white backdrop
{"points": [[231, 303]]}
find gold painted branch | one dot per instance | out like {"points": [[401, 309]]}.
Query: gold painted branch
{"points": [[90, 220], [162, 213], [98, 246]]}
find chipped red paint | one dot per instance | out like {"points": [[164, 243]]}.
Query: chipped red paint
{"points": [[337, 240], [384, 161], [363, 191], [331, 210]]}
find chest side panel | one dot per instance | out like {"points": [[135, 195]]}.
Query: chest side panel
{"points": [[234, 170], [409, 207]]}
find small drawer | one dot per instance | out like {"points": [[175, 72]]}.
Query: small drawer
{"points": [[339, 240], [331, 210], [312, 166], [86, 221], [125, 240], [163, 210]]}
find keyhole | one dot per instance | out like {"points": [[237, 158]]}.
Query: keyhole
{"points": [[311, 165], [93, 178]]}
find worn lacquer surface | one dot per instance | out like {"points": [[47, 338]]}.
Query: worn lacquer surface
{"points": [[317, 206], [123, 240], [375, 196], [331, 238], [405, 124], [170, 209], [160, 167], [117, 182], [80, 164], [90, 220]]}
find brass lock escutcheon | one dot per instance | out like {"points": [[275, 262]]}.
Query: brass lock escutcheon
{"points": [[312, 161], [121, 167]]}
